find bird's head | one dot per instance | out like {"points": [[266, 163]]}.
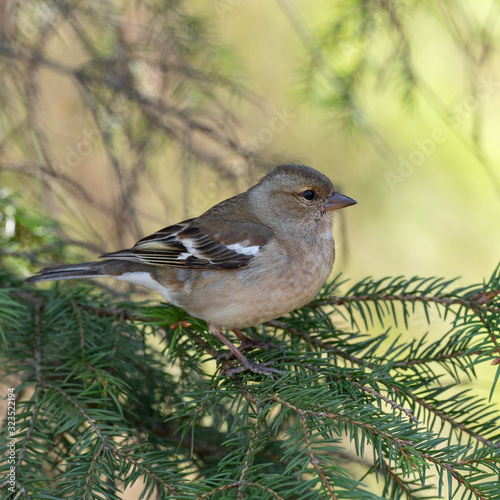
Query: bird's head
{"points": [[296, 196]]}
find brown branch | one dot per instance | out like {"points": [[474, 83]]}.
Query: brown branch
{"points": [[400, 482], [447, 301], [442, 357], [246, 464], [396, 406], [491, 333], [448, 419], [458, 477], [237, 485], [313, 459], [90, 470], [137, 464], [323, 414], [318, 343]]}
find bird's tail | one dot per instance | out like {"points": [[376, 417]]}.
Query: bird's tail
{"points": [[74, 271]]}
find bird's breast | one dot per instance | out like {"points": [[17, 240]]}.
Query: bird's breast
{"points": [[281, 279]]}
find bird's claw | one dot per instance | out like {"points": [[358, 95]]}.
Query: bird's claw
{"points": [[251, 344]]}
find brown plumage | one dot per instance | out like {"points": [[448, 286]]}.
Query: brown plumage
{"points": [[247, 260]]}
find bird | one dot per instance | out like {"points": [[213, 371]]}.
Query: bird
{"points": [[247, 260]]}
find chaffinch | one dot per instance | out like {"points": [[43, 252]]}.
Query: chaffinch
{"points": [[247, 260]]}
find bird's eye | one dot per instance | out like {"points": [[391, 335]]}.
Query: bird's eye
{"points": [[308, 194]]}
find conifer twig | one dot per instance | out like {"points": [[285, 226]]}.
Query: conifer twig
{"points": [[447, 301]]}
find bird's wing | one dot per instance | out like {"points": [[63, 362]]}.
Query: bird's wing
{"points": [[187, 245]]}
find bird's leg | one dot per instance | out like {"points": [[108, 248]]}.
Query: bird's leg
{"points": [[260, 368], [244, 339]]}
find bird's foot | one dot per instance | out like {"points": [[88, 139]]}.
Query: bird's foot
{"points": [[260, 368], [248, 343]]}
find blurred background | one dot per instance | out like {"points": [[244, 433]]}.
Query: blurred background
{"points": [[119, 118]]}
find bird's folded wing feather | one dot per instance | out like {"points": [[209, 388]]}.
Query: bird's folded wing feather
{"points": [[188, 246]]}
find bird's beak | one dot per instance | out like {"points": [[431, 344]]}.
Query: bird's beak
{"points": [[338, 201]]}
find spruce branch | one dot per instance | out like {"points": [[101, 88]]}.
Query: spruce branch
{"points": [[314, 461], [479, 303], [103, 399], [393, 404], [250, 453], [392, 385], [239, 485]]}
